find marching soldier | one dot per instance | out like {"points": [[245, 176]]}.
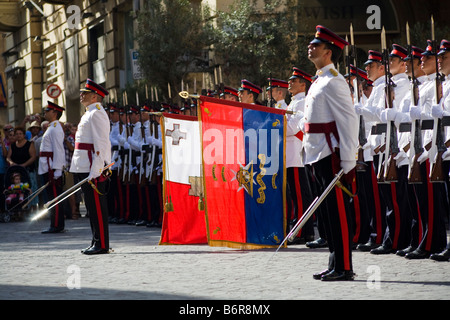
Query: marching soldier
{"points": [[276, 91], [145, 155], [51, 163], [412, 65], [249, 92], [330, 143], [155, 174], [430, 195], [299, 193], [444, 110], [230, 93], [135, 141], [375, 73], [115, 202], [92, 153], [398, 216]]}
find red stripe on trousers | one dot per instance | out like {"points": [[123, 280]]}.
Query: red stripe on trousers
{"points": [[357, 213], [299, 197], [376, 197], [147, 199], [57, 206], [119, 190], [430, 221], [344, 228], [100, 219], [396, 216], [127, 214]]}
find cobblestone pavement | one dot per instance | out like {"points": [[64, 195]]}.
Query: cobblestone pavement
{"points": [[50, 266]]}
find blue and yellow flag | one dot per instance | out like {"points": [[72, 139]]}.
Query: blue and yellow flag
{"points": [[244, 173]]}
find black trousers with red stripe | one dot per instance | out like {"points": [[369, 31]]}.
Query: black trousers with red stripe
{"points": [[398, 211], [337, 217], [53, 190], [97, 206], [299, 197], [433, 208]]}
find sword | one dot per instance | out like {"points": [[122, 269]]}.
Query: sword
{"points": [[309, 212], [50, 204]]}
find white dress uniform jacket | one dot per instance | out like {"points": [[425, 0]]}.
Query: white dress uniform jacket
{"points": [[369, 112], [293, 128], [52, 141], [114, 138], [93, 129], [329, 100]]}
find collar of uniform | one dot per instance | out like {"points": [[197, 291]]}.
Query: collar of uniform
{"points": [[399, 76], [422, 79], [324, 70], [431, 77], [53, 123], [95, 105], [298, 96], [379, 81]]}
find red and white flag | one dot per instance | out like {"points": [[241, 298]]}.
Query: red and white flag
{"points": [[184, 216]]}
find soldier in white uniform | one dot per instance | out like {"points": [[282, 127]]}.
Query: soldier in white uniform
{"points": [[398, 215], [431, 196], [115, 202], [329, 144], [51, 163], [230, 93], [92, 153], [299, 193], [437, 112], [249, 92], [375, 73], [276, 91], [402, 115]]}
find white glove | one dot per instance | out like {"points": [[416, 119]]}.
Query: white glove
{"points": [[358, 107], [348, 165], [57, 173], [121, 141], [366, 146], [423, 157], [437, 111], [401, 156], [445, 154], [391, 114], [415, 113]]}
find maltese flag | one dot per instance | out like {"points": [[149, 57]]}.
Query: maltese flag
{"points": [[184, 215]]}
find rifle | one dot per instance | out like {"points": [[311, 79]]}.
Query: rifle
{"points": [[143, 152], [414, 175], [438, 146], [360, 165], [388, 172]]}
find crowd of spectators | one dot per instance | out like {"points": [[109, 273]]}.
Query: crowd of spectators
{"points": [[19, 146]]}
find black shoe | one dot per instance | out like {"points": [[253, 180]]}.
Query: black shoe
{"points": [[418, 254], [95, 250], [367, 246], [319, 243], [338, 276], [382, 250], [53, 230], [122, 221], [141, 223], [319, 275], [405, 251], [83, 250], [443, 256]]}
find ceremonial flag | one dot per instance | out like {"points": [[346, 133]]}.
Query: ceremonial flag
{"points": [[184, 219], [244, 175]]}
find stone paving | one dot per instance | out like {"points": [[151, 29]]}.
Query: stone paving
{"points": [[37, 266]]}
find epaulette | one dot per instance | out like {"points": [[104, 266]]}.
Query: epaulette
{"points": [[334, 72]]}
